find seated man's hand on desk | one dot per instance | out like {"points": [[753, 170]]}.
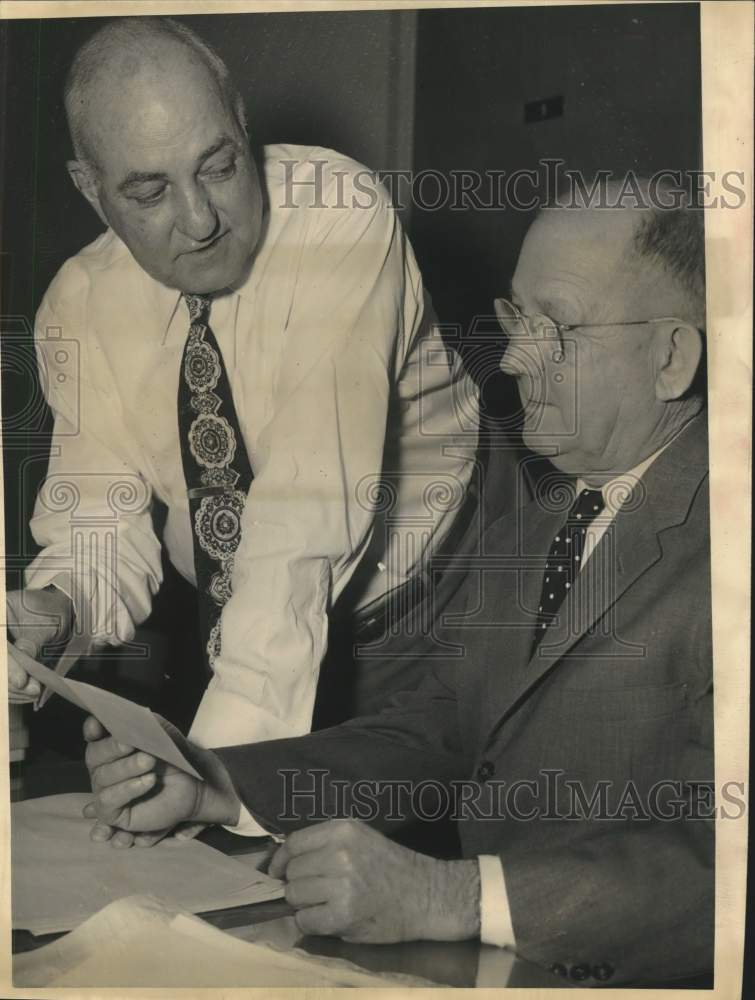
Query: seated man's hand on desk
{"points": [[35, 619], [348, 880], [139, 799]]}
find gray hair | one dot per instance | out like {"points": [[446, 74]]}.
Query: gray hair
{"points": [[675, 239], [132, 35]]}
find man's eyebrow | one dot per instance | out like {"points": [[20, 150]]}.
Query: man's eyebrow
{"points": [[137, 177], [221, 143]]}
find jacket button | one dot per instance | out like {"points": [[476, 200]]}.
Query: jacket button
{"points": [[485, 770], [580, 972], [558, 969], [602, 972]]}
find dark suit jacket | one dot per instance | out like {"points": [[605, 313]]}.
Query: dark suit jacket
{"points": [[617, 700]]}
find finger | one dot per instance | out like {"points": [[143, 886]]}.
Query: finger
{"points": [[149, 839], [318, 919], [89, 811], [101, 832], [189, 831], [93, 729], [111, 801], [19, 698], [300, 842], [311, 838], [122, 839], [279, 862], [104, 752], [17, 676], [29, 691], [324, 861], [311, 891], [27, 646], [121, 770]]}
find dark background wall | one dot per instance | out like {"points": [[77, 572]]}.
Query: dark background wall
{"points": [[629, 77], [429, 91]]}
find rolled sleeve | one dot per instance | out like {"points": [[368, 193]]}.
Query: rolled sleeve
{"points": [[92, 515]]}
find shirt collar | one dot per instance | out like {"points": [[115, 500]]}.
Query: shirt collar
{"points": [[163, 302], [617, 491]]}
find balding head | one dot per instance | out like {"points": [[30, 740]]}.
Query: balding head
{"points": [[125, 60], [162, 153], [608, 377]]}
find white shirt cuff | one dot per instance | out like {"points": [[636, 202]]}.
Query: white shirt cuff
{"points": [[248, 826], [495, 916], [226, 719]]}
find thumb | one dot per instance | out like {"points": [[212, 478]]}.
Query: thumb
{"points": [[18, 678], [188, 831]]}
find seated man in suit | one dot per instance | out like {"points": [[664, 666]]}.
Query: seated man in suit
{"points": [[568, 715]]}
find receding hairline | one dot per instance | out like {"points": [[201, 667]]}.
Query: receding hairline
{"points": [[669, 240], [141, 40]]}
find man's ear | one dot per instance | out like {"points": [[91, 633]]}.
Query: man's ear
{"points": [[679, 347], [83, 176]]}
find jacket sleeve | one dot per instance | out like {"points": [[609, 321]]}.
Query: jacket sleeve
{"points": [[632, 899], [366, 768]]}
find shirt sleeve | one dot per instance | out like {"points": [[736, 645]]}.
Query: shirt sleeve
{"points": [[495, 917], [248, 826], [309, 514], [92, 514]]}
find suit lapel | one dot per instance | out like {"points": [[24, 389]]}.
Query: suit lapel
{"points": [[627, 550]]}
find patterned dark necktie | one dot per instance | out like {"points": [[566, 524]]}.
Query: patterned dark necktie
{"points": [[216, 468], [565, 559]]}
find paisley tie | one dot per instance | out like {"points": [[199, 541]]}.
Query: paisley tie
{"points": [[216, 468]]}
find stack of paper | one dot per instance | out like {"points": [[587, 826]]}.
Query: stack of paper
{"points": [[61, 877]]}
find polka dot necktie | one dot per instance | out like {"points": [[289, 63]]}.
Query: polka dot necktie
{"points": [[216, 468], [565, 559]]}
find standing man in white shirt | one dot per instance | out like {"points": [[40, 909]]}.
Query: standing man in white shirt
{"points": [[256, 355]]}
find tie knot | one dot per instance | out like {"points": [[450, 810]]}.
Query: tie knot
{"points": [[588, 505], [199, 307]]}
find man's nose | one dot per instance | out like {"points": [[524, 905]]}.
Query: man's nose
{"points": [[197, 218], [523, 357]]}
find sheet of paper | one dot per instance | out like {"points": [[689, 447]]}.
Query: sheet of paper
{"points": [[131, 724], [60, 877], [136, 942]]}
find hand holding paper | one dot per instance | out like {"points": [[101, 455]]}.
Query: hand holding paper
{"points": [[138, 794], [129, 723], [145, 792]]}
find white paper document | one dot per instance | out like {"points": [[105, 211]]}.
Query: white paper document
{"points": [[60, 877], [131, 724], [137, 942]]}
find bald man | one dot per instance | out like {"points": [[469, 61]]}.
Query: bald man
{"points": [[571, 726], [253, 348]]}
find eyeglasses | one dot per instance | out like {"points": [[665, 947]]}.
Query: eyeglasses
{"points": [[540, 325]]}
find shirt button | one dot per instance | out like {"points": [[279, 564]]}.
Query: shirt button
{"points": [[485, 770], [580, 972], [602, 972], [558, 969]]}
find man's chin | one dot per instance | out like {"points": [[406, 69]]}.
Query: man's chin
{"points": [[554, 447], [208, 280]]}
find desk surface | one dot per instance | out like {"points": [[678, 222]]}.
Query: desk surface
{"points": [[453, 964]]}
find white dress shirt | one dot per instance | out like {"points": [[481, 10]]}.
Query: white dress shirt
{"points": [[337, 375]]}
